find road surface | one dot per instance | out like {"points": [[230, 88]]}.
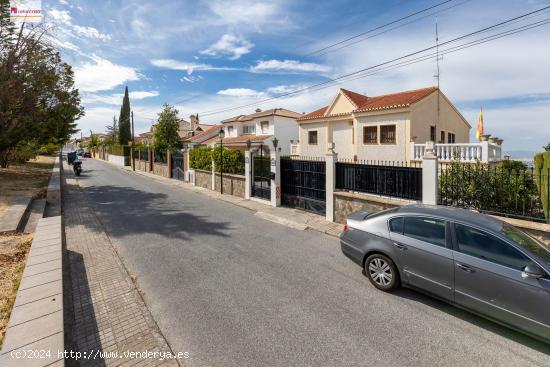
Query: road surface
{"points": [[235, 290]]}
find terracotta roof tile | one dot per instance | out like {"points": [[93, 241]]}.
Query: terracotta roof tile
{"points": [[274, 111], [387, 101], [317, 113]]}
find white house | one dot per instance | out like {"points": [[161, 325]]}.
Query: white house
{"points": [[261, 127], [391, 127]]}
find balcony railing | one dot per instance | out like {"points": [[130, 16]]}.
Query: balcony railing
{"points": [[485, 152]]}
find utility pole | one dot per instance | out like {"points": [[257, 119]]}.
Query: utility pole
{"points": [[133, 144], [438, 77]]}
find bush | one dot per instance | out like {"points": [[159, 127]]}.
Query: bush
{"points": [[122, 150], [233, 160], [49, 149], [542, 174], [201, 158]]}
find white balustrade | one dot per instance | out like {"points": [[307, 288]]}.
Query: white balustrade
{"points": [[464, 152]]}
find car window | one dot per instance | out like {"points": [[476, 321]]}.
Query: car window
{"points": [[484, 246], [527, 242], [396, 225], [425, 229]]}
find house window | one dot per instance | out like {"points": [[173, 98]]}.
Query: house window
{"points": [[387, 134], [451, 138], [370, 134], [265, 127], [249, 129], [312, 137], [432, 133], [229, 130], [442, 140]]}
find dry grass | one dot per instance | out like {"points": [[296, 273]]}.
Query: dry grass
{"points": [[30, 178], [13, 254]]}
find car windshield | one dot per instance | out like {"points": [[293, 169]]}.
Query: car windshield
{"points": [[527, 242]]}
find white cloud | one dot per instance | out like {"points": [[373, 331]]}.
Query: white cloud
{"points": [[241, 92], [191, 78], [229, 44], [282, 89], [60, 15], [186, 66], [91, 32], [289, 66], [101, 74], [116, 98], [242, 13], [64, 21]]}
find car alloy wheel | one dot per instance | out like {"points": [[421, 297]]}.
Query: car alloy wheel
{"points": [[381, 272]]}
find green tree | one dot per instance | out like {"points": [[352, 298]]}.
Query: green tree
{"points": [[112, 132], [38, 102], [542, 174], [124, 129], [165, 136], [93, 142]]}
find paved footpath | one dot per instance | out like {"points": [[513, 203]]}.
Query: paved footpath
{"points": [[105, 311]]}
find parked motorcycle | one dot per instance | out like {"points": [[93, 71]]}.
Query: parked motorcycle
{"points": [[77, 167]]}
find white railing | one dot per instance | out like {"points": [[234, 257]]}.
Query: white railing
{"points": [[484, 152]]}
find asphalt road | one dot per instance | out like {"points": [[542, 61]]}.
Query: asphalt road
{"points": [[235, 290]]}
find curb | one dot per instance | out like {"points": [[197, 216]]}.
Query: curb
{"points": [[36, 321], [14, 217]]}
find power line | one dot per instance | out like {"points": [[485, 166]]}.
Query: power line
{"points": [[360, 71], [378, 27]]}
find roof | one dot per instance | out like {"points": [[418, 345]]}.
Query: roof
{"points": [[384, 102], [462, 215], [239, 140], [207, 129], [271, 112]]}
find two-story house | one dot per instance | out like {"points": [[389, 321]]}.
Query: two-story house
{"points": [[260, 127], [384, 128]]}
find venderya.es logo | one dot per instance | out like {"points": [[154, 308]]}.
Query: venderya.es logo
{"points": [[28, 11]]}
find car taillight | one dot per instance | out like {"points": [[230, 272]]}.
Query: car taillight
{"points": [[345, 228]]}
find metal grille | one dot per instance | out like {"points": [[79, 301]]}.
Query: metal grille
{"points": [[261, 185], [395, 181], [303, 184], [177, 166]]}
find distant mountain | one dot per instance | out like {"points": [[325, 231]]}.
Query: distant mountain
{"points": [[521, 154]]}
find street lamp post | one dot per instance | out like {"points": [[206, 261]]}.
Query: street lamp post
{"points": [[222, 135]]}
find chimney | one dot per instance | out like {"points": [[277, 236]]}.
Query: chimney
{"points": [[194, 120], [258, 110]]}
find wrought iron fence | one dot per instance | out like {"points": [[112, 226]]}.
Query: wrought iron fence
{"points": [[303, 184], [160, 157], [143, 154], [494, 189], [394, 180]]}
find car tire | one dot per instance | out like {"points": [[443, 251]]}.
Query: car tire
{"points": [[382, 272]]}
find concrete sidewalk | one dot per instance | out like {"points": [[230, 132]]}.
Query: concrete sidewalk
{"points": [[294, 218]]}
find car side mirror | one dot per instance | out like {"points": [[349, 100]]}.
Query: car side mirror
{"points": [[532, 271]]}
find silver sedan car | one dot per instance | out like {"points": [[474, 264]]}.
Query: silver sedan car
{"points": [[462, 257]]}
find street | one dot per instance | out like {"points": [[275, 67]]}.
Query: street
{"points": [[236, 290]]}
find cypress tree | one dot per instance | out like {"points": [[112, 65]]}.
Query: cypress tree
{"points": [[124, 134]]}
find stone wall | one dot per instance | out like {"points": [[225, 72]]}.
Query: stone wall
{"points": [[203, 179], [346, 203], [142, 165], [161, 169], [232, 184]]}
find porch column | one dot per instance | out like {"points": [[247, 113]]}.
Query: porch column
{"points": [[429, 175], [275, 165], [330, 184], [247, 174], [485, 151]]}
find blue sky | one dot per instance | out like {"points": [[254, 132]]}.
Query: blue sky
{"points": [[209, 55]]}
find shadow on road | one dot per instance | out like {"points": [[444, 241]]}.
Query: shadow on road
{"points": [[130, 211], [476, 320]]}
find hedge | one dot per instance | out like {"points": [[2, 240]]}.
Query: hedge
{"points": [[542, 173], [233, 159], [122, 150]]}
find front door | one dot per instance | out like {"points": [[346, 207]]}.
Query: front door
{"points": [[488, 279], [425, 255], [261, 174]]}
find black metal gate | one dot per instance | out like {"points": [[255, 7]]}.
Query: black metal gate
{"points": [[303, 185], [177, 166], [261, 185]]}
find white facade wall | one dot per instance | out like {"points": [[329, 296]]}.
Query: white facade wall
{"points": [[342, 136], [308, 150], [378, 151], [285, 129]]}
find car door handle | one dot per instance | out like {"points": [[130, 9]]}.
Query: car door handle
{"points": [[400, 246], [466, 268]]}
